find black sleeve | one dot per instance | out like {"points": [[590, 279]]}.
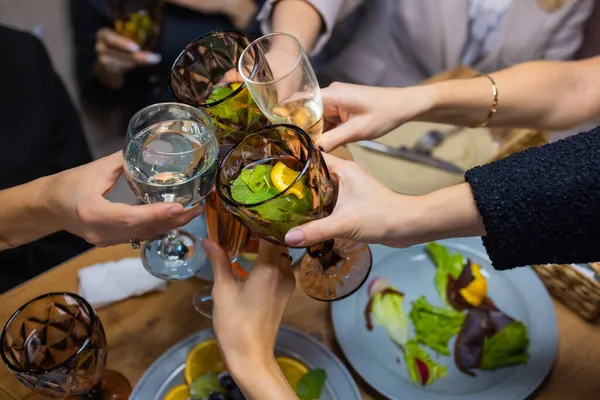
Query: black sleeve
{"points": [[542, 205], [86, 19], [69, 145]]}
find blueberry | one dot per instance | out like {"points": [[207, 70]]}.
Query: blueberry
{"points": [[226, 381], [217, 396], [236, 394]]}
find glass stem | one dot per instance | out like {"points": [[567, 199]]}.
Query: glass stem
{"points": [[325, 253], [173, 247]]}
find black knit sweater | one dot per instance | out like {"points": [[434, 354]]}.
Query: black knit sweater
{"points": [[542, 205]]}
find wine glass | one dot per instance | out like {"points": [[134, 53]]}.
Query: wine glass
{"points": [[56, 346], [274, 180], [138, 20], [283, 83], [205, 75], [229, 233], [171, 155]]}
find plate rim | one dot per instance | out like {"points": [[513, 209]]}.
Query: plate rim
{"points": [[474, 245], [207, 333]]}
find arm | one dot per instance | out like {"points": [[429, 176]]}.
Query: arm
{"points": [[73, 200], [23, 217], [298, 18], [261, 380], [542, 95], [535, 207], [311, 21]]}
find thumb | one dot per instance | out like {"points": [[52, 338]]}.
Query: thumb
{"points": [[221, 264], [316, 231], [347, 132]]}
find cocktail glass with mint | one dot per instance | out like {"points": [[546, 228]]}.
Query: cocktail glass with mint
{"points": [[276, 179]]}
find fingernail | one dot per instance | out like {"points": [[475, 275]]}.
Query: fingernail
{"points": [[176, 210], [132, 46], [153, 58], [294, 237]]}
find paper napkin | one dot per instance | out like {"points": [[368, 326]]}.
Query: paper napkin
{"points": [[107, 283]]}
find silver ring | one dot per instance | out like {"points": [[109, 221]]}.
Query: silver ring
{"points": [[135, 243]]}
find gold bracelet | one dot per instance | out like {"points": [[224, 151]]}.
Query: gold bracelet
{"points": [[494, 103]]}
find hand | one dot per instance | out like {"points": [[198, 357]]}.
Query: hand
{"points": [[367, 112], [76, 202], [247, 316], [366, 211], [118, 54]]}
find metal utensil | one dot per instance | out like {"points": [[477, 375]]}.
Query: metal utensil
{"points": [[411, 155], [433, 139]]}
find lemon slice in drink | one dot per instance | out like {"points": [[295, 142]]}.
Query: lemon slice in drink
{"points": [[282, 177], [235, 86]]}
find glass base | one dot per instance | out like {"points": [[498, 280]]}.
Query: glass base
{"points": [[159, 265], [203, 301], [114, 386], [348, 273]]}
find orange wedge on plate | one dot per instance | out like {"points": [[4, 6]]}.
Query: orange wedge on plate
{"points": [[293, 370], [181, 392], [282, 177], [203, 358]]}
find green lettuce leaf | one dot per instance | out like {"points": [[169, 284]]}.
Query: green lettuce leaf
{"points": [[311, 384], [435, 326], [388, 311], [446, 264], [507, 347], [413, 352]]}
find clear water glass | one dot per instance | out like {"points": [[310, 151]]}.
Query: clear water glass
{"points": [[171, 155]]}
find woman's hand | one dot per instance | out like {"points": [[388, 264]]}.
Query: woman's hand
{"points": [[117, 54], [368, 212], [366, 112], [76, 203], [247, 316]]}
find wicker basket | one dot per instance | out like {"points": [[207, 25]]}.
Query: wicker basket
{"points": [[577, 291]]}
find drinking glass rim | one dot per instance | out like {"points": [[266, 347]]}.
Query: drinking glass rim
{"points": [[199, 38], [255, 69], [93, 319], [310, 150], [132, 137]]}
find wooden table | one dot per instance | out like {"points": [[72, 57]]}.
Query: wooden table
{"points": [[141, 329]]}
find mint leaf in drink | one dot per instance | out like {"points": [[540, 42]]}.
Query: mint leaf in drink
{"points": [[311, 384], [240, 191], [259, 178], [218, 93], [254, 185]]}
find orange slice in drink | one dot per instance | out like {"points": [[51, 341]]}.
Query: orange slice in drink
{"points": [[203, 358], [282, 177]]}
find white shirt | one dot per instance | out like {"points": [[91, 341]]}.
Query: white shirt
{"points": [[485, 18]]}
